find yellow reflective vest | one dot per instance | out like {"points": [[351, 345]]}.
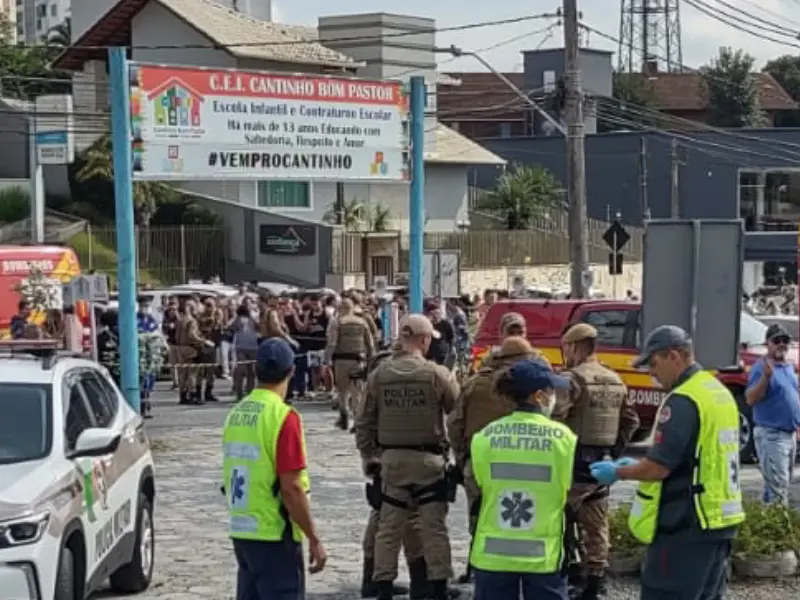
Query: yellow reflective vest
{"points": [[716, 487], [523, 465], [249, 476]]}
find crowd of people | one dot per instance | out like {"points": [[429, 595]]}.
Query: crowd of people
{"points": [[535, 451]]}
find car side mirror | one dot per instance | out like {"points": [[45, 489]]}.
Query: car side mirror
{"points": [[95, 441]]}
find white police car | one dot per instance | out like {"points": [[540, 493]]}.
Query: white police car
{"points": [[76, 480]]}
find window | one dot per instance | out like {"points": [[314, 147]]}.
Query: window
{"points": [[54, 10], [78, 416], [549, 81], [26, 430], [612, 327], [101, 400], [38, 24], [505, 130], [284, 194], [41, 10]]}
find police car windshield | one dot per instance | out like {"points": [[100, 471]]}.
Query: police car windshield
{"points": [[752, 331], [26, 430]]}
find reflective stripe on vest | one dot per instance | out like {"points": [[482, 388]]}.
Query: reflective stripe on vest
{"points": [[716, 485], [523, 466], [250, 480]]}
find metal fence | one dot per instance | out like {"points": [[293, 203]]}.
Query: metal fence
{"points": [[166, 255], [546, 243]]}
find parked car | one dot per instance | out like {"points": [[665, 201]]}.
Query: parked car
{"points": [[618, 342]]}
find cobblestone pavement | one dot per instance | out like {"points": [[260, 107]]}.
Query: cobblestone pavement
{"points": [[193, 554]]}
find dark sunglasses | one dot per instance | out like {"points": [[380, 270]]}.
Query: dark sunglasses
{"points": [[782, 339]]}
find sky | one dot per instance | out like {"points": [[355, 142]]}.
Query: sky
{"points": [[702, 35]]}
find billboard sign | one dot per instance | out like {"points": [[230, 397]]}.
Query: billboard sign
{"points": [[55, 130], [194, 123]]}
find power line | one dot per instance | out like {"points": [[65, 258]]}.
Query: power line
{"points": [[760, 22], [731, 20], [301, 42]]}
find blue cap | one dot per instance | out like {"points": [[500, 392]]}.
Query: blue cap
{"points": [[661, 338], [529, 376], [274, 360]]}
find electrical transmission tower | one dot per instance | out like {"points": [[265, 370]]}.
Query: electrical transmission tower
{"points": [[650, 36]]}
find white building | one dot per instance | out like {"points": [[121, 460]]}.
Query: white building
{"points": [[36, 18], [147, 24]]}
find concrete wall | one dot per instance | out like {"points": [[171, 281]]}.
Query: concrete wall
{"points": [[556, 277]]}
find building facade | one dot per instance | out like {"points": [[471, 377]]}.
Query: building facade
{"points": [[216, 36], [35, 19], [737, 174]]}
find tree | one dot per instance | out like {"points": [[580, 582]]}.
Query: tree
{"points": [[98, 163], [732, 91], [350, 215], [634, 102], [522, 194], [25, 71], [61, 34], [786, 71]]}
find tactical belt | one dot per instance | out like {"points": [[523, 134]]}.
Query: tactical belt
{"points": [[348, 356], [430, 449]]}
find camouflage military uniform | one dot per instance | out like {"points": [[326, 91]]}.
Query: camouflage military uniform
{"points": [[210, 327], [402, 421], [595, 409], [189, 346], [349, 346]]}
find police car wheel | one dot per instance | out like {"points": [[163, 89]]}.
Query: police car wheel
{"points": [[135, 577], [747, 446], [65, 577]]}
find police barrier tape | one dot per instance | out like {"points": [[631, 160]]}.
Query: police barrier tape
{"points": [[316, 360]]}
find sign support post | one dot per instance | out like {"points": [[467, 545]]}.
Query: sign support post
{"points": [[416, 209], [126, 235]]}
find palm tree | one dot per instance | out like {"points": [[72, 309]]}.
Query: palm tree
{"points": [[380, 219], [61, 34], [523, 194], [351, 217]]}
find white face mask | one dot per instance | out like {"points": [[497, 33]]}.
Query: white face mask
{"points": [[547, 409]]}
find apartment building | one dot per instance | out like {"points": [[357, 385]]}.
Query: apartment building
{"points": [[35, 18], [8, 10]]}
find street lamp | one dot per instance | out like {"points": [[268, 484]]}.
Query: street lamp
{"points": [[457, 52]]}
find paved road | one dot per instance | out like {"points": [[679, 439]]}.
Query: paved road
{"points": [[193, 556]]}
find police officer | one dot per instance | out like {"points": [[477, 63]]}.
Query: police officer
{"points": [[402, 421], [523, 467], [266, 484], [412, 544], [190, 344], [478, 406], [511, 324], [350, 344], [689, 503], [209, 324], [595, 409]]}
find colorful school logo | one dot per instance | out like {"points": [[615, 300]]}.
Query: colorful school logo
{"points": [[379, 166], [175, 104]]}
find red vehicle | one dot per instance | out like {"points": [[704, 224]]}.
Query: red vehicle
{"points": [[36, 273], [618, 343]]}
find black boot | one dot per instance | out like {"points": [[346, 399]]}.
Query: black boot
{"points": [[439, 590], [184, 397], [197, 397], [341, 423], [385, 590], [592, 589], [420, 587], [369, 588]]}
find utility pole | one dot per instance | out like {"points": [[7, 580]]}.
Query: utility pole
{"points": [[674, 183], [645, 202], [576, 154]]}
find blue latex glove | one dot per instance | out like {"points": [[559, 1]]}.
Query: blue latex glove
{"points": [[625, 461], [605, 472]]}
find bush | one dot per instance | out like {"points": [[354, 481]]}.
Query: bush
{"points": [[15, 204], [768, 530], [620, 537]]}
